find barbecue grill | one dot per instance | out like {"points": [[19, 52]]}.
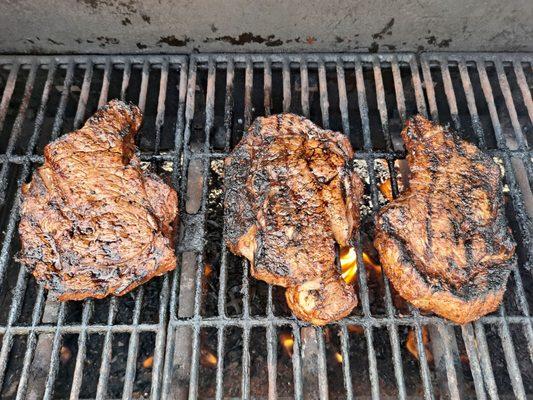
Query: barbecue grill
{"points": [[209, 331]]}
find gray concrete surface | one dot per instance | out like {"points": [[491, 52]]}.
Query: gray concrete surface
{"points": [[183, 26]]}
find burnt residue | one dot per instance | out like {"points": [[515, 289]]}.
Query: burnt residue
{"points": [[338, 39], [374, 47], [126, 21], [119, 6], [387, 30], [214, 29], [245, 38], [433, 41], [105, 41], [146, 18], [141, 46], [52, 41], [173, 41]]}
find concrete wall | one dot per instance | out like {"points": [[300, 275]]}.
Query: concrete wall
{"points": [[182, 26]]}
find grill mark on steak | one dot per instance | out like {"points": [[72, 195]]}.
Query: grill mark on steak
{"points": [[460, 270], [291, 197], [92, 222]]}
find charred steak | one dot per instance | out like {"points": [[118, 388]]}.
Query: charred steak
{"points": [[444, 242], [291, 198], [92, 223]]}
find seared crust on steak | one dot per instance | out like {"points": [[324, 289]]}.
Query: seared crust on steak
{"points": [[291, 198], [444, 242], [92, 223]]}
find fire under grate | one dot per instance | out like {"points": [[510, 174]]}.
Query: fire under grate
{"points": [[208, 330]]}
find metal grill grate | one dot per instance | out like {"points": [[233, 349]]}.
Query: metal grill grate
{"points": [[212, 331]]}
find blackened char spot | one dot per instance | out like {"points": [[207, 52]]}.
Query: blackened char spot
{"points": [[55, 42], [126, 21], [141, 46], [385, 31], [374, 47], [246, 37], [432, 40], [146, 18], [174, 41]]}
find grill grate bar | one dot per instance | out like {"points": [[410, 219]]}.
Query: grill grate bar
{"points": [[473, 357], [267, 87], [133, 348], [17, 128], [144, 85], [271, 361], [509, 102], [32, 342], [80, 358], [8, 92], [84, 95], [104, 91], [486, 366], [126, 74], [286, 73], [54, 359], [105, 366], [524, 88], [304, 78], [171, 156], [510, 358], [14, 312]]}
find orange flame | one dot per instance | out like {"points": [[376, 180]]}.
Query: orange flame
{"points": [[348, 259], [287, 341], [208, 270], [411, 344], [338, 357], [371, 264], [207, 359], [386, 190]]}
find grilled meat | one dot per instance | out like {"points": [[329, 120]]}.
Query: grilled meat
{"points": [[290, 199], [92, 223], [444, 242]]}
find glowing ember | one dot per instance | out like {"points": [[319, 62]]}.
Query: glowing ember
{"points": [[207, 359], [411, 344], [208, 270], [338, 357], [287, 341], [386, 190], [356, 329], [65, 354], [148, 362], [348, 259]]}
